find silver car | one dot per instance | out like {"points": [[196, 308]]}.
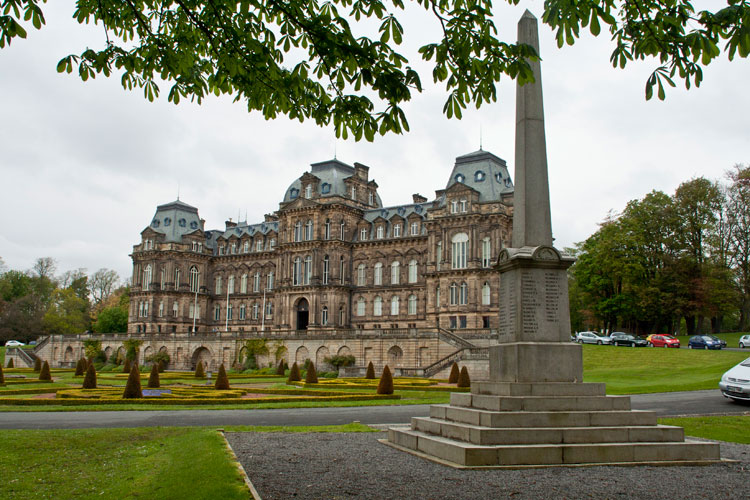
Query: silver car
{"points": [[744, 341], [592, 338], [735, 384]]}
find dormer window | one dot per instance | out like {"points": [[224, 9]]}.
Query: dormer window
{"points": [[182, 223], [246, 247], [462, 205], [414, 228], [259, 246], [195, 246], [454, 206], [221, 250], [308, 191], [371, 198], [459, 177], [354, 192], [363, 234], [379, 232], [272, 244], [234, 248], [397, 230], [479, 176], [325, 188]]}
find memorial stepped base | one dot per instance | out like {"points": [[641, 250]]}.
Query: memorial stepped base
{"points": [[547, 424]]}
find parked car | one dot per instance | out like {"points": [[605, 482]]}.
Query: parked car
{"points": [[720, 341], [14, 343], [592, 338], [703, 342], [735, 384], [663, 341], [744, 341], [622, 338]]}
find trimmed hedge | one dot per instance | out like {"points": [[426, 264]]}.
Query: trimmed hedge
{"points": [[153, 378], [89, 382], [370, 374], [79, 368], [44, 374], [126, 366], [294, 374], [463, 378], [10, 363], [386, 382], [199, 371], [133, 387], [222, 382], [2, 376], [311, 377], [453, 377], [280, 368], [38, 365]]}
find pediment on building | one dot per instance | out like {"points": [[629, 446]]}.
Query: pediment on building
{"points": [[461, 188], [300, 203]]}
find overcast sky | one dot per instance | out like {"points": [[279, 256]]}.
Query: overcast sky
{"points": [[84, 165]]}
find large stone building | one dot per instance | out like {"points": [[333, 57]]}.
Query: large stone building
{"points": [[331, 258]]}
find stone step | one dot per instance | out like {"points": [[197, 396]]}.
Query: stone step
{"points": [[467, 454], [546, 435], [538, 389], [540, 403], [521, 419]]}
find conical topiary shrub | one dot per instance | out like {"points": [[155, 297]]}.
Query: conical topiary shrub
{"points": [[294, 374], [126, 366], [370, 371], [44, 374], [160, 366], [222, 381], [453, 377], [385, 386], [280, 368], [38, 365], [133, 387], [10, 363], [2, 377], [312, 375], [199, 373], [153, 379], [89, 381], [79, 368], [463, 378]]}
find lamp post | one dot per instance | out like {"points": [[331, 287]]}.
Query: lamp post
{"points": [[263, 312], [226, 314]]}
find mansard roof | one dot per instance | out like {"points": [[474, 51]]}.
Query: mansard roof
{"points": [[484, 172], [175, 219], [332, 175], [251, 230], [404, 211]]}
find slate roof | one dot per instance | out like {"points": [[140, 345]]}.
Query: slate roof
{"points": [[175, 219], [331, 174], [484, 172]]}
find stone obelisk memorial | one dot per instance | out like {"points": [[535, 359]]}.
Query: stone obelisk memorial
{"points": [[535, 409]]}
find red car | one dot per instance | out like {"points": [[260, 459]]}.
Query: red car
{"points": [[663, 341]]}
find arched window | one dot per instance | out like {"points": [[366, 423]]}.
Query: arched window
{"points": [[256, 282], [454, 294], [361, 275], [412, 304], [463, 294], [486, 294], [413, 271], [308, 269], [298, 231], [377, 306], [297, 271], [459, 249], [309, 230], [324, 316], [486, 252], [326, 269], [243, 283], [218, 285], [147, 277], [230, 284], [378, 273], [361, 306], [395, 272], [394, 305], [194, 279]]}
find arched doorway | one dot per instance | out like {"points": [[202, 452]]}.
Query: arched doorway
{"points": [[202, 355], [303, 314]]}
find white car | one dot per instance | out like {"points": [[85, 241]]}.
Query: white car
{"points": [[592, 338], [744, 341], [735, 384], [14, 343]]}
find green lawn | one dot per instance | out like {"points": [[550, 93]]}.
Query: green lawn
{"points": [[160, 462], [643, 370], [732, 428]]}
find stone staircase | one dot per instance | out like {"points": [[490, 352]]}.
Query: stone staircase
{"points": [[510, 424]]}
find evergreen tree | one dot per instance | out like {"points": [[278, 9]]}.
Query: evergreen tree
{"points": [[294, 374], [45, 374], [79, 368], [126, 366], [199, 373], [89, 382], [37, 365], [222, 381], [312, 375], [153, 379], [453, 377], [385, 386], [133, 386], [280, 368], [463, 378], [10, 363], [370, 371]]}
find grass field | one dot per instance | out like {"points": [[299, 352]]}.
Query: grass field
{"points": [[732, 428]]}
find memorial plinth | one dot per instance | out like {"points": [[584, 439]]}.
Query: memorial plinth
{"points": [[535, 410]]}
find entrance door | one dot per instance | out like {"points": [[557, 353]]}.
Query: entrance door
{"points": [[303, 314]]}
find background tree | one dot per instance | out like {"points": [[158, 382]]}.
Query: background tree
{"points": [[738, 237], [103, 284], [67, 314], [318, 59]]}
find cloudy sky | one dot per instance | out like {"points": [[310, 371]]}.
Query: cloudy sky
{"points": [[84, 165]]}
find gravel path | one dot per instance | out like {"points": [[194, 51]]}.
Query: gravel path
{"points": [[356, 466]]}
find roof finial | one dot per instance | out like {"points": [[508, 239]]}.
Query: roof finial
{"points": [[480, 136], [335, 147], [178, 190]]}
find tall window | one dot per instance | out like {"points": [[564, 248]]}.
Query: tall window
{"points": [[361, 306], [256, 282], [439, 255], [177, 279], [195, 311], [243, 283], [342, 270], [297, 271], [394, 305], [361, 275], [486, 250], [145, 308], [229, 311], [327, 232], [395, 272], [255, 310], [379, 232], [363, 234], [324, 316], [342, 227], [342, 315], [462, 205], [378, 274], [454, 294], [230, 284], [437, 297], [175, 309], [147, 277], [486, 294], [308, 230], [414, 228], [298, 231], [412, 271], [233, 246], [163, 284], [194, 279], [272, 244], [397, 230], [377, 306], [242, 311], [308, 191], [308, 269], [269, 310], [454, 206], [217, 313], [463, 293], [354, 192], [246, 246], [459, 247], [259, 245], [412, 304], [326, 269], [218, 285], [270, 281], [161, 308]]}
